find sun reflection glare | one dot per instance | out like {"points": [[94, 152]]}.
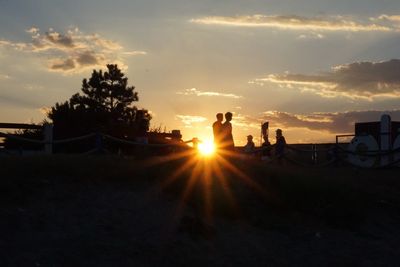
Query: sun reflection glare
{"points": [[208, 173], [206, 148]]}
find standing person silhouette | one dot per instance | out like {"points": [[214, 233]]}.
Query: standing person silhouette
{"points": [[227, 140], [266, 148], [217, 130], [280, 145]]}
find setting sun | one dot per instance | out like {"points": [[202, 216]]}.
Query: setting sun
{"points": [[206, 148]]}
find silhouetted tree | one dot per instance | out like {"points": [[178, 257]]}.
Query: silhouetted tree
{"points": [[105, 104]]}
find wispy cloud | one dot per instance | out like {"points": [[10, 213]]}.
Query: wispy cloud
{"points": [[294, 22], [384, 17], [73, 51], [33, 87], [189, 120], [359, 80], [134, 53], [311, 35], [21, 102], [15, 45], [44, 110], [245, 122], [4, 76], [194, 91]]}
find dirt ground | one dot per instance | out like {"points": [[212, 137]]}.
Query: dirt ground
{"points": [[110, 211]]}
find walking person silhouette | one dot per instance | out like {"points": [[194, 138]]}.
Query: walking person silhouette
{"points": [[227, 140], [217, 130]]}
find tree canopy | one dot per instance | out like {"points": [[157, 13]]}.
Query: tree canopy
{"points": [[105, 104]]}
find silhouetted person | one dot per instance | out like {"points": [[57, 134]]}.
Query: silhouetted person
{"points": [[227, 140], [250, 146], [195, 142], [266, 148], [280, 145], [217, 129]]}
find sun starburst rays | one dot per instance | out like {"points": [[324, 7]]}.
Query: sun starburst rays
{"points": [[206, 183]]}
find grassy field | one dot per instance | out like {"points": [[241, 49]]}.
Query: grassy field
{"points": [[108, 210]]}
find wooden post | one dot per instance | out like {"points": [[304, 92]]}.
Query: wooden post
{"points": [[99, 142], [385, 138], [48, 138], [195, 142]]}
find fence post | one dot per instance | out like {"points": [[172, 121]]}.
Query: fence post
{"points": [[315, 154], [385, 138], [99, 142], [195, 142], [48, 139]]}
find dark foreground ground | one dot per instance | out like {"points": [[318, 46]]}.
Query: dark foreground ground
{"points": [[111, 211]]}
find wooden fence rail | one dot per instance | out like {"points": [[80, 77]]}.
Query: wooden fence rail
{"points": [[47, 132]]}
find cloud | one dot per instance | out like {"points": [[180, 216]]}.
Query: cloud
{"points": [[59, 40], [334, 123], [22, 102], [4, 76], [194, 91], [245, 122], [106, 44], [44, 110], [16, 45], [73, 51], [294, 22], [384, 17], [362, 80], [89, 58], [62, 64], [392, 21], [33, 30], [33, 87], [134, 53], [312, 35], [189, 120]]}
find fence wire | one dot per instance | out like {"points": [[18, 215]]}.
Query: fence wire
{"points": [[335, 151]]}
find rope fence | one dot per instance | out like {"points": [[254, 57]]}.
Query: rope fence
{"points": [[99, 139], [333, 154]]}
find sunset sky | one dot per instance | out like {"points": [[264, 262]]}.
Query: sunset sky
{"points": [[310, 67]]}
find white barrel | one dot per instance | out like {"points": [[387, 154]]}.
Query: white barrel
{"points": [[361, 145]]}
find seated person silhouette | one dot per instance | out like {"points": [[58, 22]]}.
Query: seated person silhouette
{"points": [[250, 146], [266, 148]]}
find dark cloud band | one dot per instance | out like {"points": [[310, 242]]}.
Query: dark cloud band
{"points": [[355, 80]]}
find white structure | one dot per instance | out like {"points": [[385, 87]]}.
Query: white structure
{"points": [[365, 144], [361, 145]]}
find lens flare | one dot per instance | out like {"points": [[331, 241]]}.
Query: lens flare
{"points": [[206, 148]]}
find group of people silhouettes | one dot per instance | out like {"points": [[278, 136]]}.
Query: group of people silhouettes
{"points": [[223, 138]]}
